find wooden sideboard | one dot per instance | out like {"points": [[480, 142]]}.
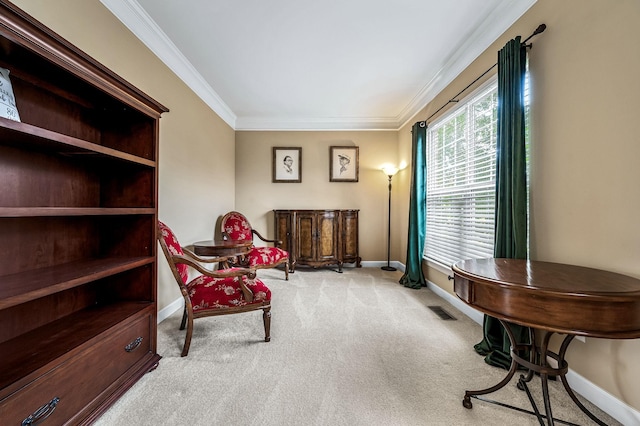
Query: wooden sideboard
{"points": [[318, 237], [78, 218]]}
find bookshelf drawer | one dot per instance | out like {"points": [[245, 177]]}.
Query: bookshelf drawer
{"points": [[65, 391]]}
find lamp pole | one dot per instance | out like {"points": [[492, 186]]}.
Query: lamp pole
{"points": [[389, 172]]}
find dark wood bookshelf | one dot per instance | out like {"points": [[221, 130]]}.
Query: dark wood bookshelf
{"points": [[78, 220]]}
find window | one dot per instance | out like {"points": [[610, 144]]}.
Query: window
{"points": [[461, 178]]}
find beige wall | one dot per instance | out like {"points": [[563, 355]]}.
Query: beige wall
{"points": [[584, 177], [196, 164], [257, 196]]}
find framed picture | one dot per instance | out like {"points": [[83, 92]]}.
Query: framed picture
{"points": [[287, 165], [343, 164]]}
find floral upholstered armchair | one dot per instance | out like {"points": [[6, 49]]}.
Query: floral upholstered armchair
{"points": [[235, 226], [221, 292]]}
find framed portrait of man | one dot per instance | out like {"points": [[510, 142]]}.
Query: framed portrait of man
{"points": [[287, 165], [343, 164]]}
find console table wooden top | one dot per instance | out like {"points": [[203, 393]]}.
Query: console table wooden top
{"points": [[552, 296]]}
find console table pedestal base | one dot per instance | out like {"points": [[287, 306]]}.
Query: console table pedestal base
{"points": [[537, 364]]}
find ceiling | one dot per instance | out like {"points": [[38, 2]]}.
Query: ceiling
{"points": [[317, 65]]}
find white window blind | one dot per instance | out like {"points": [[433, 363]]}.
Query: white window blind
{"points": [[461, 166]]}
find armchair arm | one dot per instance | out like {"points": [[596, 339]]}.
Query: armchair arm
{"points": [[266, 240], [246, 292], [233, 272]]}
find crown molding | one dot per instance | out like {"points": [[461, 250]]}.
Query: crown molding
{"points": [[503, 17], [316, 124], [136, 19]]}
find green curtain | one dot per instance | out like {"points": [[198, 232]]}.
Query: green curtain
{"points": [[511, 190], [413, 276]]}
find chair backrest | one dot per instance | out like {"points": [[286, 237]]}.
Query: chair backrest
{"points": [[236, 226], [170, 247]]}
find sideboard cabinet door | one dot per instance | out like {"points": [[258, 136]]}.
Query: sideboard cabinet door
{"points": [[349, 237], [284, 233], [316, 237], [327, 235]]}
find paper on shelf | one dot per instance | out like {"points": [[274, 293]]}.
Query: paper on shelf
{"points": [[8, 107]]}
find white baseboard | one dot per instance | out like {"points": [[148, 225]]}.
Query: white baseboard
{"points": [[379, 263], [608, 403], [167, 311]]}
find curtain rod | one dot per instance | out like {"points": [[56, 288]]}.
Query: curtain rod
{"points": [[538, 30]]}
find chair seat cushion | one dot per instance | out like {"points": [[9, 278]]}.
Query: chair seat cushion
{"points": [[266, 256], [208, 293]]}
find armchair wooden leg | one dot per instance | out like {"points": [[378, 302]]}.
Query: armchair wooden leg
{"points": [[184, 317], [187, 338], [286, 271], [266, 317]]}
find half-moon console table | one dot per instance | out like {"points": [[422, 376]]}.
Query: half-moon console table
{"points": [[551, 298]]}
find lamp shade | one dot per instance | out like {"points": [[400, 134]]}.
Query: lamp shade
{"points": [[389, 170]]}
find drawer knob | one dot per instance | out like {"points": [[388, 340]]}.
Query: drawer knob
{"points": [[41, 413], [133, 345]]}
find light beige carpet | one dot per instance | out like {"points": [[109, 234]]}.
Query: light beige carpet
{"points": [[355, 348]]}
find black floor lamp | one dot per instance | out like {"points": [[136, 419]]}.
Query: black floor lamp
{"points": [[389, 171]]}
